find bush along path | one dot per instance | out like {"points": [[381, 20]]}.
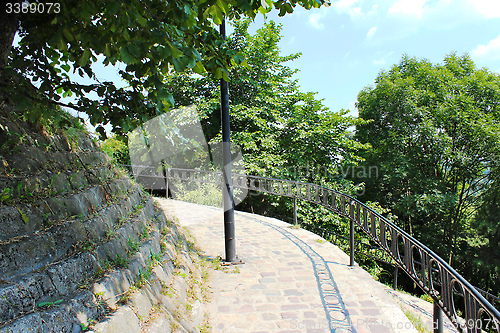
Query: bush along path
{"points": [[83, 247]]}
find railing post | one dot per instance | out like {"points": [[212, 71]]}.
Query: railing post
{"points": [[165, 175], [351, 233], [437, 319], [295, 210], [166, 186], [396, 278], [351, 242]]}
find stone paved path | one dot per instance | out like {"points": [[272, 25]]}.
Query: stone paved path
{"points": [[291, 281]]}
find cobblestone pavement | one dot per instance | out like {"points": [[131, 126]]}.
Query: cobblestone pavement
{"points": [[291, 279]]}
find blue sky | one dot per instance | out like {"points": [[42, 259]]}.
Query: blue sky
{"points": [[346, 45]]}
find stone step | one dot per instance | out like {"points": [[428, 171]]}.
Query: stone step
{"points": [[28, 253], [25, 189], [153, 264], [63, 317], [158, 306], [79, 242], [34, 161], [16, 133], [25, 294], [26, 219], [61, 278]]}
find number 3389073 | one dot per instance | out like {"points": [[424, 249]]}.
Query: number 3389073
{"points": [[26, 7]]}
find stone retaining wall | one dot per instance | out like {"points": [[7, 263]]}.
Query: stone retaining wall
{"points": [[82, 246]]}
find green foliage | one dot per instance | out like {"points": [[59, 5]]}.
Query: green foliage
{"points": [[282, 132], [87, 327], [120, 262], [133, 246], [155, 258], [5, 196], [200, 193], [88, 245], [143, 277], [417, 321], [137, 209], [116, 147], [144, 233], [485, 252], [276, 125], [151, 39], [55, 119], [50, 304], [24, 216], [435, 133], [278, 128], [427, 298]]}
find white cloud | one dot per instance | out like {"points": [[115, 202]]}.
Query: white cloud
{"points": [[343, 6], [371, 32], [489, 51], [450, 14], [356, 12], [382, 58], [379, 62], [351, 7], [373, 10], [315, 18], [407, 8], [487, 8]]}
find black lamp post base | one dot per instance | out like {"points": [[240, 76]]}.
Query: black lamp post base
{"points": [[237, 261]]}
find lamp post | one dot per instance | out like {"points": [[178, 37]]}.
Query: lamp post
{"points": [[227, 191]]}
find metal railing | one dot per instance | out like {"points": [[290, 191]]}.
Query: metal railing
{"points": [[366, 249], [451, 293]]}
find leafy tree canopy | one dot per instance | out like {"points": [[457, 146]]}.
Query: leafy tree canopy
{"points": [[279, 128], [153, 38], [435, 133]]}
